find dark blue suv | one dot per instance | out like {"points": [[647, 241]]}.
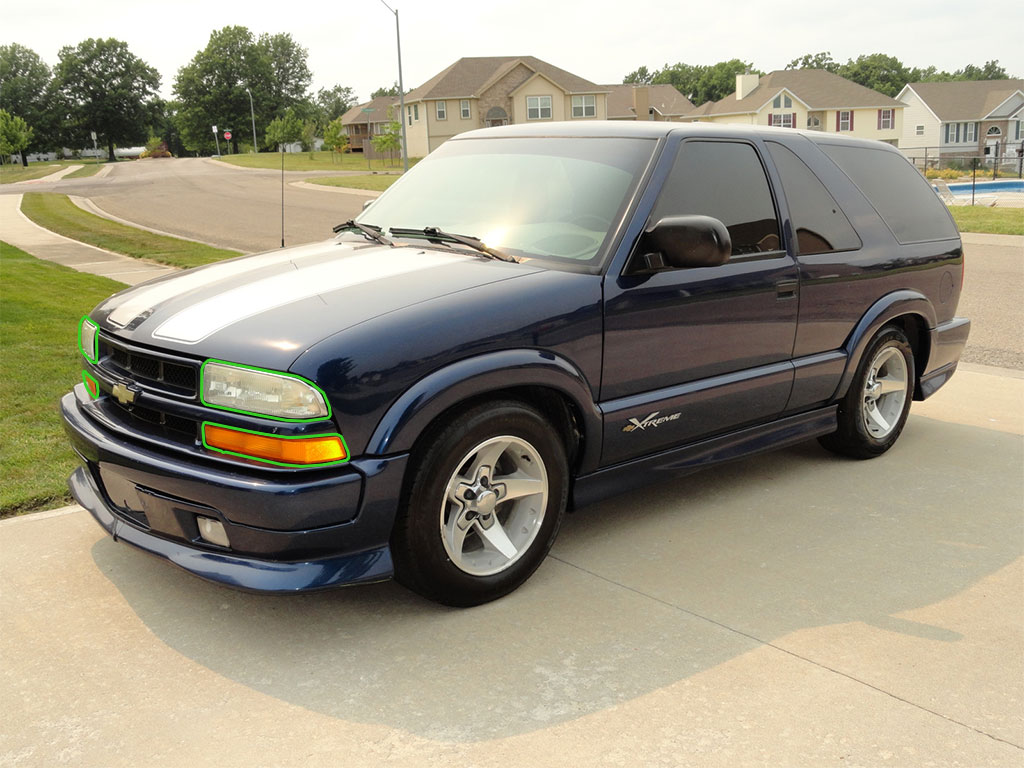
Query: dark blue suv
{"points": [[531, 319]]}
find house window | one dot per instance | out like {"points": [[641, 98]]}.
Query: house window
{"points": [[782, 102], [844, 121], [442, 110], [409, 114], [464, 109], [919, 130], [584, 106], [970, 132], [885, 119], [784, 120], [538, 107], [416, 112], [994, 131], [1016, 131]]}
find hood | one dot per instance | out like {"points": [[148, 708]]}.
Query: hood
{"points": [[267, 309]]}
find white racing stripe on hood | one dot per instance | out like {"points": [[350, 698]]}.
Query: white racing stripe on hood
{"points": [[147, 298], [200, 320]]}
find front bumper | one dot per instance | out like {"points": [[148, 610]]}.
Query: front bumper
{"points": [[152, 499]]}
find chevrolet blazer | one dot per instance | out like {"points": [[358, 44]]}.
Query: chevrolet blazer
{"points": [[532, 318]]}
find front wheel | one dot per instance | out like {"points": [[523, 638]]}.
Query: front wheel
{"points": [[875, 409], [486, 499]]}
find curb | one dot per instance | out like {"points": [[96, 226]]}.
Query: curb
{"points": [[89, 206], [370, 193]]}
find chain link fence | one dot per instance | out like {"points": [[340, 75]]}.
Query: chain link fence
{"points": [[988, 180]]}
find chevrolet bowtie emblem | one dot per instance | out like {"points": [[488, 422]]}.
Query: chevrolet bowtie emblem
{"points": [[123, 394]]}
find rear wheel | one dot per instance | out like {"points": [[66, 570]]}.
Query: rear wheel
{"points": [[485, 502], [875, 409]]}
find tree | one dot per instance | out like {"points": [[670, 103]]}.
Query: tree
{"points": [[335, 136], [388, 140], [211, 89], [877, 71], [989, 71], [15, 134], [332, 103], [285, 129], [640, 76], [24, 86], [104, 87], [821, 60], [392, 91], [719, 80]]}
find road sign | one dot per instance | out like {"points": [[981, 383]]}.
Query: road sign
{"points": [[227, 135], [93, 134], [215, 129]]}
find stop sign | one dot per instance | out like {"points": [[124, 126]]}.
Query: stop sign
{"points": [[227, 135]]}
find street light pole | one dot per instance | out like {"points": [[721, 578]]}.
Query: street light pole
{"points": [[401, 89], [252, 114]]}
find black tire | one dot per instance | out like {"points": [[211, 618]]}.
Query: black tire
{"points": [[861, 434], [449, 491]]}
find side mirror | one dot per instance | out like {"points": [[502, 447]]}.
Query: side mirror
{"points": [[679, 242]]}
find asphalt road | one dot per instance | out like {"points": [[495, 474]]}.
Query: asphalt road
{"points": [[209, 201]]}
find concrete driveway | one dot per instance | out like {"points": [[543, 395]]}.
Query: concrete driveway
{"points": [[792, 609]]}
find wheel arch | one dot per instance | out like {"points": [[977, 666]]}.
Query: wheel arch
{"points": [[913, 313], [549, 383]]}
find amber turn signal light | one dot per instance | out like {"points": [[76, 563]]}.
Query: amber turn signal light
{"points": [[285, 451]]}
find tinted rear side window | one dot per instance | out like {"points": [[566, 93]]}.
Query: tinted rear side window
{"points": [[727, 181], [897, 191], [820, 225]]}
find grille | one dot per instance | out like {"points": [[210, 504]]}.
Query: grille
{"points": [[176, 428], [153, 370]]}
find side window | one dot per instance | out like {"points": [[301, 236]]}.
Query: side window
{"points": [[727, 181], [897, 190], [819, 223]]}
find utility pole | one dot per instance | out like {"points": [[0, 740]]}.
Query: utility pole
{"points": [[401, 89], [252, 114]]}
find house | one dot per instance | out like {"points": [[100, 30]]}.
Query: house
{"points": [[367, 120], [807, 98], [477, 92], [971, 118], [651, 102]]}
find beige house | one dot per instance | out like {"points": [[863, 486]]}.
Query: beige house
{"points": [[973, 118], [807, 98], [367, 120], [479, 92], [646, 102]]}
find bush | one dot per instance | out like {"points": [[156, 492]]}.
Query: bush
{"points": [[943, 173]]}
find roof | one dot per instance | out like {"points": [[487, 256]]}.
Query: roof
{"points": [[967, 99], [663, 97], [816, 88], [469, 76], [378, 111]]}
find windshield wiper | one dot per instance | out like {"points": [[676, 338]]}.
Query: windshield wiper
{"points": [[373, 233], [438, 235]]}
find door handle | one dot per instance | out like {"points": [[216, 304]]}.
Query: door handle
{"points": [[786, 289]]}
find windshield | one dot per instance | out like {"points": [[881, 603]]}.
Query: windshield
{"points": [[546, 198]]}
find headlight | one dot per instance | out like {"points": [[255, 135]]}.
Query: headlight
{"points": [[234, 387], [88, 340]]}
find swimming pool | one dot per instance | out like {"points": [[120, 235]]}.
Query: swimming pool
{"points": [[1008, 185]]}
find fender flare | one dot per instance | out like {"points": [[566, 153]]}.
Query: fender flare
{"points": [[425, 400], [889, 307]]}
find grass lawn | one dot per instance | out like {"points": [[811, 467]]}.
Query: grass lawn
{"points": [[91, 168], [379, 182], [320, 161], [42, 303], [980, 218], [59, 214]]}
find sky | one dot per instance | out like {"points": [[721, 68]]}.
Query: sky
{"points": [[353, 43]]}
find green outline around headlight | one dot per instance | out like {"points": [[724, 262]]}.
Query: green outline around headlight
{"points": [[303, 379], [95, 359]]}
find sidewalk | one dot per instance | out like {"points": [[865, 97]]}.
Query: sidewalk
{"points": [[22, 233]]}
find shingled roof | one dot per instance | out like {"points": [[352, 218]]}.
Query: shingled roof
{"points": [[468, 77], [967, 99], [378, 111], [816, 88], [663, 97]]}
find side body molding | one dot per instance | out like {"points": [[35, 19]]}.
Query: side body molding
{"points": [[406, 419], [890, 306]]}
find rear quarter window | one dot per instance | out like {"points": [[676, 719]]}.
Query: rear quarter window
{"points": [[818, 221], [902, 197]]}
